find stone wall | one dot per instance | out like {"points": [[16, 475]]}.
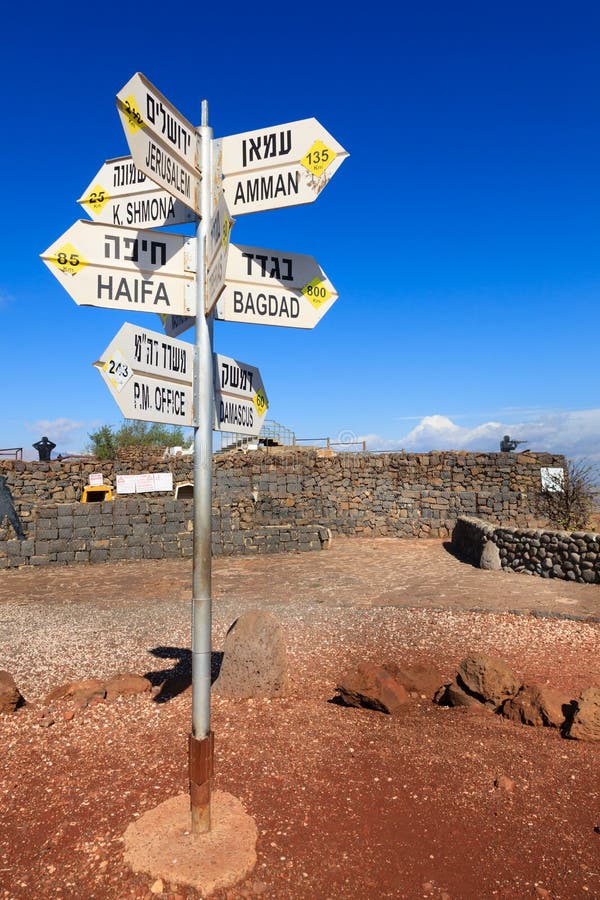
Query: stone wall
{"points": [[140, 528], [261, 498], [573, 556]]}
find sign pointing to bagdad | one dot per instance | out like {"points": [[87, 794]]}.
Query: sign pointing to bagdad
{"points": [[121, 194], [163, 144], [125, 268], [280, 166], [270, 287]]}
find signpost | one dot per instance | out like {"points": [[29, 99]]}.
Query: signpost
{"points": [[163, 144], [120, 194], [268, 287], [176, 174], [125, 268], [280, 166]]}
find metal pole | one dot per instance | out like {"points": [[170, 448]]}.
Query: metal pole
{"points": [[201, 738]]}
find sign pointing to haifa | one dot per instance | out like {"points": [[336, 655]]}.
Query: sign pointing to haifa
{"points": [[163, 144], [121, 194], [271, 287], [280, 166], [125, 268]]}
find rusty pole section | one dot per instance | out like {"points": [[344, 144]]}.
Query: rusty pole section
{"points": [[201, 738]]}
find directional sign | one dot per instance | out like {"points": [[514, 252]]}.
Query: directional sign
{"points": [[163, 144], [125, 268], [175, 325], [269, 287], [120, 194], [217, 251], [149, 376], [280, 166], [240, 399]]}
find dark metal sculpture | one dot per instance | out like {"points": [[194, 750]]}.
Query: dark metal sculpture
{"points": [[507, 444], [44, 448], [7, 508]]}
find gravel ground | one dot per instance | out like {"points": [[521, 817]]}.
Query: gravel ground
{"points": [[348, 803]]}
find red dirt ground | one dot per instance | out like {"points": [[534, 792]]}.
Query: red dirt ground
{"points": [[348, 803]]}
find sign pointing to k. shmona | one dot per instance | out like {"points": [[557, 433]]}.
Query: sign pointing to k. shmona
{"points": [[121, 194]]}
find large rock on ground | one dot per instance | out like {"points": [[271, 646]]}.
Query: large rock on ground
{"points": [[537, 704], [417, 679], [487, 679], [254, 658], [80, 692], [453, 695], [585, 725], [83, 692], [372, 687], [126, 685], [10, 696], [490, 557]]}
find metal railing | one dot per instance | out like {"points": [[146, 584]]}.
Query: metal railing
{"points": [[11, 453]]}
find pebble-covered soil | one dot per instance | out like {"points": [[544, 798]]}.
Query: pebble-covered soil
{"points": [[348, 803]]}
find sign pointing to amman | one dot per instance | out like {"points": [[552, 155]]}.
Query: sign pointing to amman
{"points": [[280, 166]]}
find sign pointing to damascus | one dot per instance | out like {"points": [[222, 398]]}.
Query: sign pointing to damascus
{"points": [[163, 144], [280, 166]]}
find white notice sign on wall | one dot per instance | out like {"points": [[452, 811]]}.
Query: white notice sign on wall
{"points": [[144, 483]]}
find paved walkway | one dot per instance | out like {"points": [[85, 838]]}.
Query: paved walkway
{"points": [[356, 572]]}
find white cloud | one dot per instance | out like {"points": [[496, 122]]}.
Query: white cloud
{"points": [[69, 435], [58, 430], [574, 433]]}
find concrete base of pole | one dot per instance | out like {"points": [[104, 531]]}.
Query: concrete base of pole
{"points": [[161, 844]]}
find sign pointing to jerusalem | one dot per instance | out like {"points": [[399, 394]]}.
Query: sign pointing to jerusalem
{"points": [[280, 166], [125, 268], [149, 376], [121, 194], [270, 287], [163, 144]]}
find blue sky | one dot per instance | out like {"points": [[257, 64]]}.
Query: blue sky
{"points": [[462, 234]]}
